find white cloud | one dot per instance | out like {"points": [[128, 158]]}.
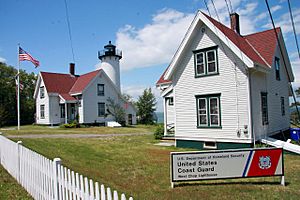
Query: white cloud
{"points": [[296, 70], [245, 10], [136, 91], [155, 43], [284, 21], [2, 60], [275, 8]]}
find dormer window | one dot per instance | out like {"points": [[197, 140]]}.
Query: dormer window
{"points": [[100, 89], [42, 92], [277, 68], [206, 62]]}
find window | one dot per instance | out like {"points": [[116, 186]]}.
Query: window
{"points": [[62, 111], [79, 99], [208, 111], [100, 89], [171, 101], [277, 68], [101, 109], [282, 106], [206, 62], [210, 145], [42, 92], [264, 108], [42, 111]]}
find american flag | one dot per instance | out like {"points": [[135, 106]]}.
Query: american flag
{"points": [[23, 55]]}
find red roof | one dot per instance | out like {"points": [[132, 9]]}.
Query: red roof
{"points": [[67, 97], [58, 83], [66, 84], [256, 46], [265, 43], [83, 81]]}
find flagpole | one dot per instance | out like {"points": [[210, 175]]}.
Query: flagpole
{"points": [[18, 99]]}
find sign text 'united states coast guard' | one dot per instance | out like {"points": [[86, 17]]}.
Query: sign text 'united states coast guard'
{"points": [[189, 166]]}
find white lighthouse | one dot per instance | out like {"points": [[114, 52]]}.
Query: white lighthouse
{"points": [[110, 63]]}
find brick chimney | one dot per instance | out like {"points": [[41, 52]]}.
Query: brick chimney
{"points": [[235, 22], [72, 69]]}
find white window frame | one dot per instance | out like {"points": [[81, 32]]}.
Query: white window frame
{"points": [[199, 115], [42, 111], [42, 92], [215, 61], [99, 114], [204, 64], [102, 92], [218, 110], [208, 114]]}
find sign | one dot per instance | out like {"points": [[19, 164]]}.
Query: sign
{"points": [[223, 164]]}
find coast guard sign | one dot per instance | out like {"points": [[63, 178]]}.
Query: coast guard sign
{"points": [[223, 164]]}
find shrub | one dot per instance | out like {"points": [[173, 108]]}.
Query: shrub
{"points": [[71, 125], [159, 132]]}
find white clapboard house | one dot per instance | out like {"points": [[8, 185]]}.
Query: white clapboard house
{"points": [[61, 97], [223, 89]]}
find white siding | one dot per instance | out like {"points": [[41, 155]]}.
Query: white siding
{"points": [[170, 113], [276, 89], [54, 110], [43, 101], [81, 112], [231, 83], [91, 100], [130, 110]]}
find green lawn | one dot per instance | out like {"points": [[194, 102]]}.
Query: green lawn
{"points": [[9, 188], [134, 165], [35, 129]]}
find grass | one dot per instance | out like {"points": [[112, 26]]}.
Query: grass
{"points": [[134, 165], [9, 188], [36, 129]]}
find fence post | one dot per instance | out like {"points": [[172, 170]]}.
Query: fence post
{"points": [[19, 144], [56, 162]]}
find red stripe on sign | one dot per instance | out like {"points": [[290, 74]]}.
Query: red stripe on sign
{"points": [[264, 162]]}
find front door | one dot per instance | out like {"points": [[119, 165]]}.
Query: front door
{"points": [[129, 119], [72, 117]]}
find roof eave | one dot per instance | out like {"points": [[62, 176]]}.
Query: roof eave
{"points": [[248, 62]]}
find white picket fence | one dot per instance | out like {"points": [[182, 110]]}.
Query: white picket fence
{"points": [[47, 179]]}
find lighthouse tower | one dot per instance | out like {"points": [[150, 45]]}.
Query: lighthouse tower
{"points": [[110, 63]]}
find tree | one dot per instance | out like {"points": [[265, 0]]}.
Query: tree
{"points": [[127, 97], [116, 110], [146, 106], [8, 97]]}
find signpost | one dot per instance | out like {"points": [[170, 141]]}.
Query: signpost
{"points": [[225, 164]]}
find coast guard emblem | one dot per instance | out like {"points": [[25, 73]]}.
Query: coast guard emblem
{"points": [[264, 162]]}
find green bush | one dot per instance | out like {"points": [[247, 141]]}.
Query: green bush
{"points": [[71, 125], [159, 132]]}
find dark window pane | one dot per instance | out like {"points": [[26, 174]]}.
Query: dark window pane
{"points": [[211, 56], [202, 104], [200, 58], [212, 67], [214, 106], [214, 119], [203, 119], [200, 69]]}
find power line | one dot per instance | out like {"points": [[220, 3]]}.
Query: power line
{"points": [[281, 53], [227, 7], [69, 28], [230, 6], [293, 24]]}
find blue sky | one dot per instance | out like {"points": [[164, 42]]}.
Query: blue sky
{"points": [[148, 32]]}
